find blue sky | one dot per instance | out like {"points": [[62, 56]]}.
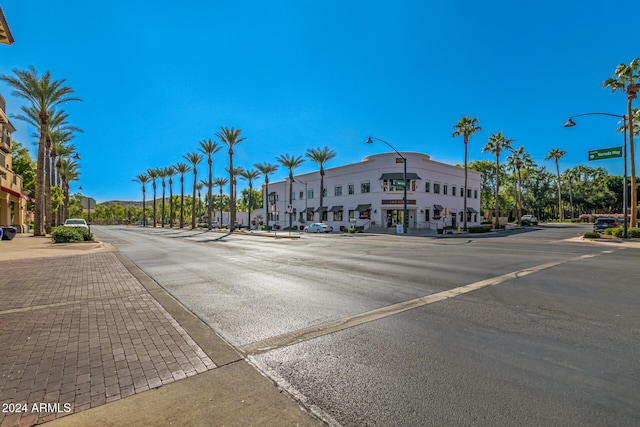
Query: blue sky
{"points": [[297, 74]]}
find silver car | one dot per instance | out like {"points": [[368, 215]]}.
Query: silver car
{"points": [[318, 227]]}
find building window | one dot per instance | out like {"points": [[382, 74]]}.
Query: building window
{"points": [[275, 216], [453, 190], [337, 191], [310, 194], [445, 189], [310, 215], [427, 187], [461, 216], [302, 195], [293, 195], [337, 216], [324, 216], [436, 188], [468, 193], [461, 191], [426, 215], [352, 189], [352, 214], [273, 198], [301, 219], [475, 194], [475, 217], [436, 214], [365, 187]]}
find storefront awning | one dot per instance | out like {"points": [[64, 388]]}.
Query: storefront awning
{"points": [[471, 210], [363, 208], [309, 209], [321, 209], [399, 175], [15, 193], [438, 207], [336, 209]]}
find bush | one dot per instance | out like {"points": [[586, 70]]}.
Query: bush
{"points": [[479, 229], [266, 228], [64, 234], [355, 229], [87, 236], [634, 232], [616, 232], [591, 235]]}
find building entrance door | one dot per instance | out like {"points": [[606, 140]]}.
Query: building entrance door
{"points": [[395, 217]]}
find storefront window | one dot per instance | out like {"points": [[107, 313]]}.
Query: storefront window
{"points": [[436, 188], [337, 216]]}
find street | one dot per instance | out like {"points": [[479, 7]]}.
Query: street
{"points": [[529, 327]]}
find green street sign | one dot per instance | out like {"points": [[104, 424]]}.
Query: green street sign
{"points": [[605, 153], [398, 182]]}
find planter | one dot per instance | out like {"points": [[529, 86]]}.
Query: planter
{"points": [[9, 233]]}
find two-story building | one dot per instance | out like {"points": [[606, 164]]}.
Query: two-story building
{"points": [[13, 201], [371, 194]]}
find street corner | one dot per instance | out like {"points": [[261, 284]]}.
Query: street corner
{"points": [[24, 246]]}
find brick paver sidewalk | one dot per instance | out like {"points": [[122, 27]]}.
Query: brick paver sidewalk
{"points": [[79, 331]]}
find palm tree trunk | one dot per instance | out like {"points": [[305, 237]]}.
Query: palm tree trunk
{"points": [[464, 190], [154, 203], [634, 192], [249, 208], [221, 205], [38, 229], [232, 192], [209, 196], [182, 201], [162, 215], [144, 211], [290, 198], [193, 202], [497, 212], [170, 203], [321, 191], [560, 211], [47, 187], [266, 190]]}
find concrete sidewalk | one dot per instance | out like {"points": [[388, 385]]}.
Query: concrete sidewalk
{"points": [[86, 338]]}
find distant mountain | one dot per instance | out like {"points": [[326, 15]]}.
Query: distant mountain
{"points": [[123, 203]]}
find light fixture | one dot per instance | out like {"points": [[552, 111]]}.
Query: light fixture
{"points": [[570, 123]]}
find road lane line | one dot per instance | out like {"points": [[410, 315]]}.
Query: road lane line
{"points": [[315, 331]]}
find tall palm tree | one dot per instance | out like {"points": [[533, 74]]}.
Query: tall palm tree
{"points": [[497, 142], [466, 127], [63, 151], [220, 182], [209, 148], [162, 174], [199, 186], [266, 169], [290, 162], [624, 78], [519, 160], [143, 179], [320, 156], [230, 137], [182, 168], [194, 159], [44, 94], [250, 175], [169, 172], [556, 154], [68, 172], [153, 174]]}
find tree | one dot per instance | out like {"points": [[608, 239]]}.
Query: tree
{"points": [[517, 161], [153, 174], [320, 156], [220, 182], [209, 148], [250, 175], [169, 172], [231, 137], [623, 79], [162, 174], [466, 127], [290, 162], [68, 172], [23, 165], [44, 94], [182, 168], [143, 179], [497, 142], [556, 154], [194, 159], [266, 169]]}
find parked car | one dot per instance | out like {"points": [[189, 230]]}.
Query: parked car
{"points": [[529, 220], [235, 227], [318, 227], [76, 223], [602, 224]]}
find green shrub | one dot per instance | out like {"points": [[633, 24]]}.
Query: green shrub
{"points": [[266, 228], [479, 229], [609, 231], [591, 235], [617, 232], [87, 236], [358, 229], [64, 234]]}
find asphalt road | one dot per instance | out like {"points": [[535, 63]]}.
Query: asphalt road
{"points": [[521, 328]]}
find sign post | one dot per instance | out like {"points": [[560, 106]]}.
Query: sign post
{"points": [[605, 153]]}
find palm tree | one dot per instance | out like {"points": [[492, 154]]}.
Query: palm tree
{"points": [[68, 172], [466, 127], [63, 151], [194, 159], [199, 187], [182, 168], [320, 157], [497, 142], [556, 154], [169, 171], [250, 175], [209, 148], [624, 78], [143, 178], [519, 160], [220, 182], [266, 169], [153, 174], [162, 174], [44, 94], [290, 162], [231, 138]]}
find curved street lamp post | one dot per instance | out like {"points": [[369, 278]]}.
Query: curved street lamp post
{"points": [[571, 123], [405, 220]]}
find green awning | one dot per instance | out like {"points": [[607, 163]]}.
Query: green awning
{"points": [[472, 210], [363, 208], [321, 209], [438, 207], [309, 209], [336, 209], [410, 175]]}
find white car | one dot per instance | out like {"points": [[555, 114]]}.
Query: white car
{"points": [[318, 227], [76, 223]]}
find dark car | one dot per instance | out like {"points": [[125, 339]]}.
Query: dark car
{"points": [[602, 224]]}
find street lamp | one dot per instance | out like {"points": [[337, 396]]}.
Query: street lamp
{"points": [[405, 221], [571, 123]]}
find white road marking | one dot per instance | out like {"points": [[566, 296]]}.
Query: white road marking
{"points": [[315, 331]]}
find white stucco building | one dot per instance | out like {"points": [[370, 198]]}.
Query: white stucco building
{"points": [[370, 194]]}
